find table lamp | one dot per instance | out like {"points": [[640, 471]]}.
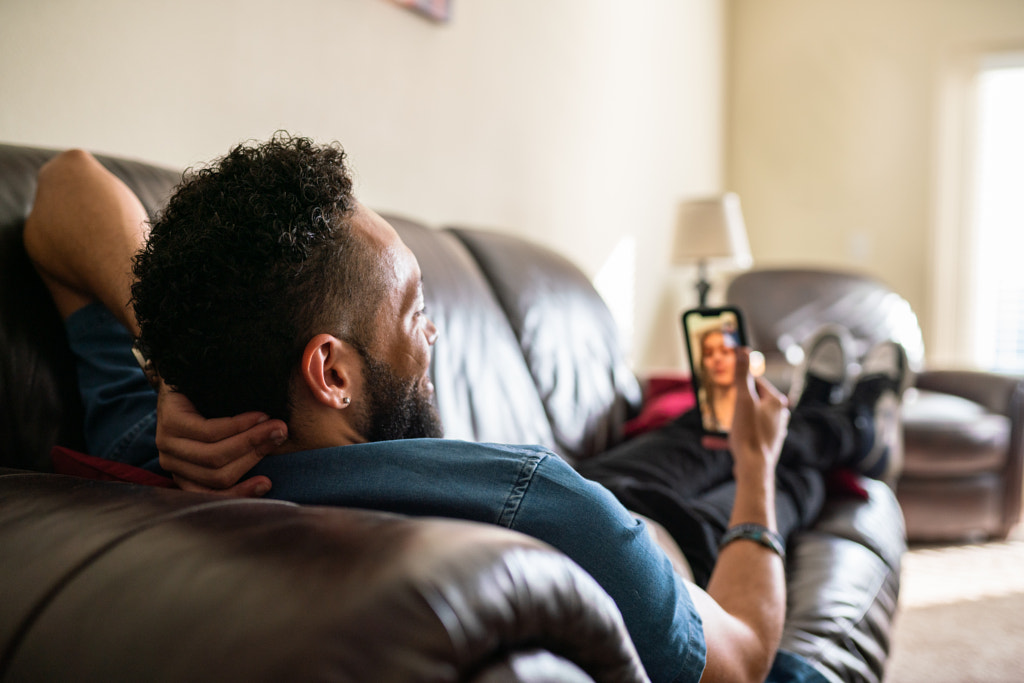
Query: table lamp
{"points": [[711, 230]]}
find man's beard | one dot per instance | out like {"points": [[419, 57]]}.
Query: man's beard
{"points": [[396, 408]]}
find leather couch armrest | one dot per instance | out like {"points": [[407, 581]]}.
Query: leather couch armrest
{"points": [[132, 582], [998, 393], [843, 578]]}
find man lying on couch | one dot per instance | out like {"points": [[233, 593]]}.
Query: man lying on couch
{"points": [[265, 286]]}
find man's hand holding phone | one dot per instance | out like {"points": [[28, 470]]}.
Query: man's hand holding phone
{"points": [[714, 338], [761, 419], [770, 405]]}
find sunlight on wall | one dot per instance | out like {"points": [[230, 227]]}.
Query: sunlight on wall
{"points": [[572, 123], [615, 281]]}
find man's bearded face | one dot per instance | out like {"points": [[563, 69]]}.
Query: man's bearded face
{"points": [[397, 408]]}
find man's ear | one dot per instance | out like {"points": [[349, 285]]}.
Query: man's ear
{"points": [[328, 369]]}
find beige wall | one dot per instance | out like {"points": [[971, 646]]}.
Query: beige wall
{"points": [[578, 123], [836, 130]]}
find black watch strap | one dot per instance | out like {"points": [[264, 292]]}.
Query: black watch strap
{"points": [[757, 533]]}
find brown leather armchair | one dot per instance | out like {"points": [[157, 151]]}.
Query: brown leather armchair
{"points": [[962, 452]]}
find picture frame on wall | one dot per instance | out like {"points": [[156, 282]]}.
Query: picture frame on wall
{"points": [[435, 10]]}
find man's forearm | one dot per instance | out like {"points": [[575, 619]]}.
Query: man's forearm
{"points": [[748, 581]]}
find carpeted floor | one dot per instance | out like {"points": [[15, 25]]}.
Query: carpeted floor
{"points": [[961, 615]]}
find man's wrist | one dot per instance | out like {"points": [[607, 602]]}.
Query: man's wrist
{"points": [[754, 481], [757, 533]]}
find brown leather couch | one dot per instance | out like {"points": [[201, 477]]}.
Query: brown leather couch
{"points": [[115, 581], [963, 456]]}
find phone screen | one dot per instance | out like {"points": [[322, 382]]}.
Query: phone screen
{"points": [[712, 337]]}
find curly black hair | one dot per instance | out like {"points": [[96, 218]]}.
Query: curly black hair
{"points": [[252, 257]]}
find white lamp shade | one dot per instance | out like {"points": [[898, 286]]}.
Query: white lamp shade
{"points": [[711, 230]]}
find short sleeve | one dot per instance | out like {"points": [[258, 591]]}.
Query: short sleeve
{"points": [[585, 521]]}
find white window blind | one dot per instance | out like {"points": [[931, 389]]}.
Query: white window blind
{"points": [[998, 218]]}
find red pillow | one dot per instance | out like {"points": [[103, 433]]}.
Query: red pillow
{"points": [[845, 482], [666, 398], [67, 461]]}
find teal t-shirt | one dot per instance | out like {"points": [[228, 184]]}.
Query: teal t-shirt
{"points": [[526, 489]]}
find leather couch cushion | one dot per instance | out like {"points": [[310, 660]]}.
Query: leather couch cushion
{"points": [[484, 389], [840, 621], [121, 582], [38, 387], [567, 337], [948, 436], [45, 531]]}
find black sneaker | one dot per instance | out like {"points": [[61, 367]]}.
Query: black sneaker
{"points": [[822, 378], [874, 409]]}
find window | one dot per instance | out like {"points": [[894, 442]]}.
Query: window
{"points": [[996, 217]]}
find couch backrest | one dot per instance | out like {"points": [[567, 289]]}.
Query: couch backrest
{"points": [[567, 337], [527, 352], [785, 306], [39, 403]]}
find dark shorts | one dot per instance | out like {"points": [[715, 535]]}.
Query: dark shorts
{"points": [[120, 405]]}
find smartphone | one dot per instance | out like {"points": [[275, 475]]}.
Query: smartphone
{"points": [[712, 336]]}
